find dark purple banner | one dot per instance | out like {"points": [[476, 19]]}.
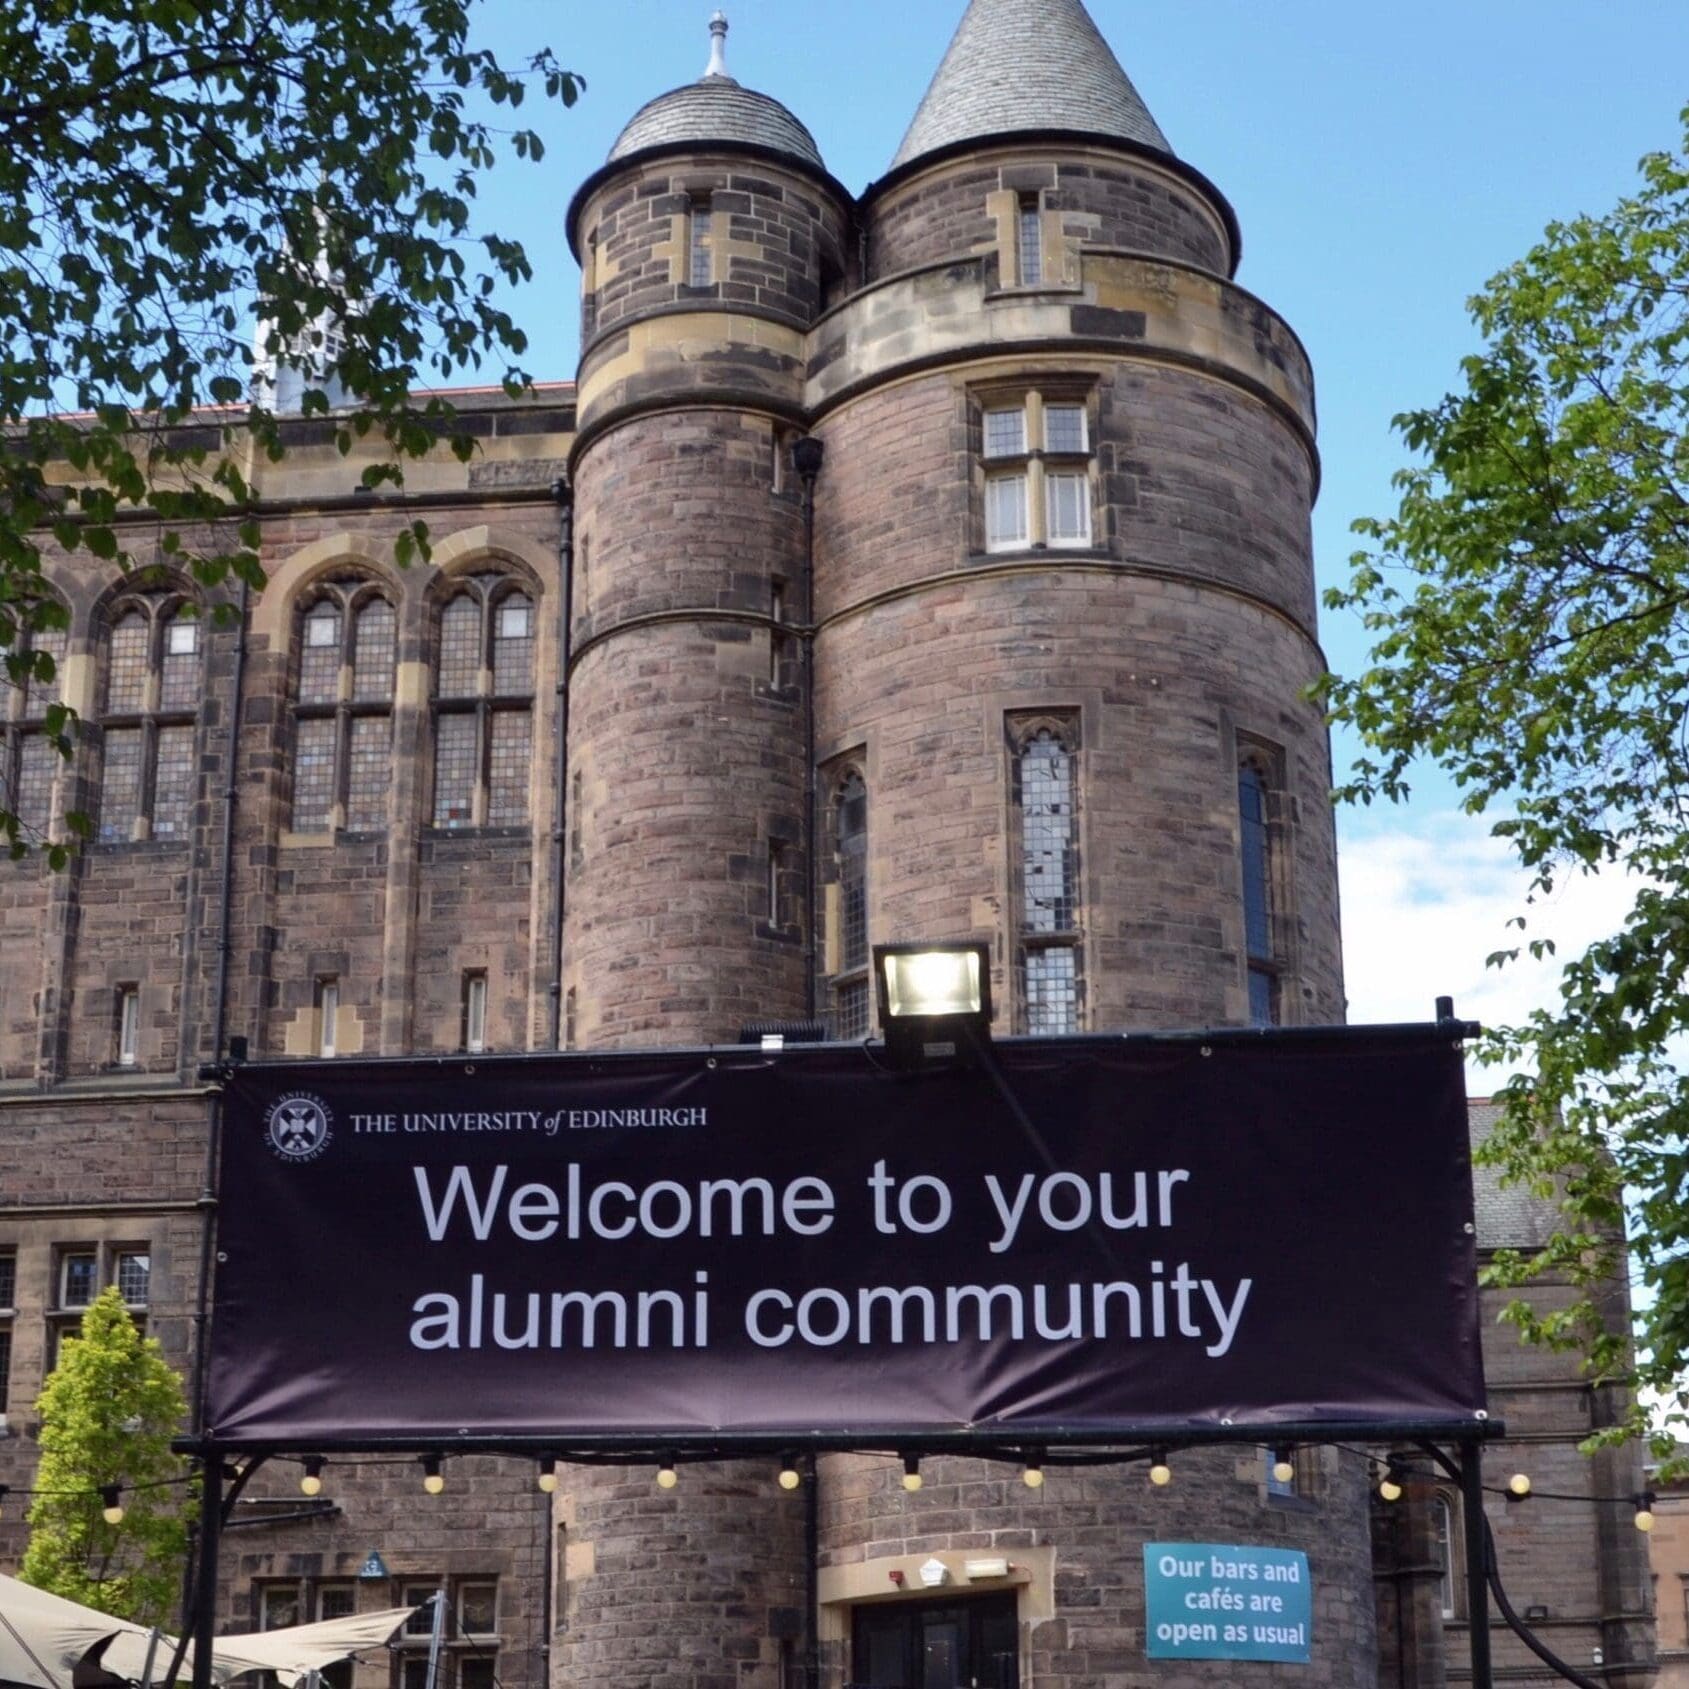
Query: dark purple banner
{"points": [[1119, 1238]]}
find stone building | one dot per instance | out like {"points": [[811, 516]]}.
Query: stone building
{"points": [[931, 562]]}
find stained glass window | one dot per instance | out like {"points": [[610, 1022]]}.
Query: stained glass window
{"points": [[373, 658], [120, 793], [313, 774], [483, 721], [370, 772], [454, 770], [152, 691], [1044, 779], [173, 795], [348, 654], [852, 1001], [38, 765], [126, 664], [513, 646], [507, 769], [460, 647]]}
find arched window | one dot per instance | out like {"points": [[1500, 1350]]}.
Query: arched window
{"points": [[152, 692], [1045, 800], [343, 709], [484, 705], [29, 758], [848, 900], [1256, 850]]}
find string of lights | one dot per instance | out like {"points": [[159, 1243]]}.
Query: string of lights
{"points": [[1387, 1474]]}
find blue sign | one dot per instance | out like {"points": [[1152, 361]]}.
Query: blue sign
{"points": [[1220, 1601], [374, 1566]]}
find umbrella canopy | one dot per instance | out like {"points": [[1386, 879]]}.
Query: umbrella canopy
{"points": [[292, 1654], [44, 1638]]}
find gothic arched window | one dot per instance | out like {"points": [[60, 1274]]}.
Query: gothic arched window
{"points": [[151, 700], [343, 709], [848, 907], [484, 705], [29, 758], [1045, 790]]}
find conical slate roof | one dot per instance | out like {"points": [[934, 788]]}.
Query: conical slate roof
{"points": [[1028, 64]]}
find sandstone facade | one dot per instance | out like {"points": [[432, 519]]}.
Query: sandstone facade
{"points": [[1057, 531]]}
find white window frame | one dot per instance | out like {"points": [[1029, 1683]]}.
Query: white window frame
{"points": [[1084, 446], [1018, 411], [118, 1257], [1027, 480], [327, 1013], [66, 1256], [128, 1025], [475, 1010], [1054, 480], [1005, 494]]}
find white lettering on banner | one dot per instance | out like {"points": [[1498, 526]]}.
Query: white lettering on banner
{"points": [[821, 1317], [664, 1209], [1164, 1304]]}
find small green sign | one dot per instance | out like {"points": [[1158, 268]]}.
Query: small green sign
{"points": [[1223, 1601]]}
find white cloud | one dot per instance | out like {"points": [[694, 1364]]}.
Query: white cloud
{"points": [[1425, 902]]}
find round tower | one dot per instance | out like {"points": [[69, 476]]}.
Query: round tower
{"points": [[1065, 624], [707, 241]]}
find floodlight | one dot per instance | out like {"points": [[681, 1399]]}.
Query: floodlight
{"points": [[935, 1000]]}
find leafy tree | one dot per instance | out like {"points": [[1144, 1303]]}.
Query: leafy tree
{"points": [[1530, 606], [108, 1412], [172, 174]]}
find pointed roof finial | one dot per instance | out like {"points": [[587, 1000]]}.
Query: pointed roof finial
{"points": [[718, 47]]}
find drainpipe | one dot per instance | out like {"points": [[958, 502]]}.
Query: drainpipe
{"points": [[807, 455], [564, 494], [812, 1574], [207, 1202]]}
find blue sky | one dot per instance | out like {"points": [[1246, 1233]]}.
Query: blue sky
{"points": [[1383, 161]]}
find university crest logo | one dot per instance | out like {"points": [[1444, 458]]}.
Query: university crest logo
{"points": [[298, 1126]]}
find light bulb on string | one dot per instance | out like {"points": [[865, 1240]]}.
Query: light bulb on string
{"points": [[911, 1473], [790, 1477], [1644, 1520], [312, 1483], [1032, 1475], [5, 1490], [432, 1482], [1284, 1466], [667, 1477], [1160, 1473], [111, 1504], [547, 1479], [1519, 1485], [1390, 1485]]}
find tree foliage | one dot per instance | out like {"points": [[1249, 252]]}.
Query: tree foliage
{"points": [[172, 174], [108, 1412], [1529, 603]]}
